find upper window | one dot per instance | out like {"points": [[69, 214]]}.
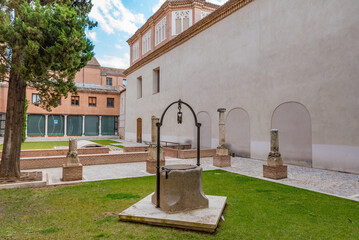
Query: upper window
{"points": [[75, 100], [135, 51], [146, 42], [59, 101], [124, 82], [109, 81], [181, 20], [36, 98], [160, 31], [156, 80], [92, 101], [139, 87], [204, 14], [110, 102]]}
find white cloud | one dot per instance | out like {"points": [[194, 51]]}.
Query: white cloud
{"points": [[113, 16], [158, 5], [92, 36], [218, 2], [118, 46], [116, 62]]}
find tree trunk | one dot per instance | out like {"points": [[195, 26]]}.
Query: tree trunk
{"points": [[10, 161]]}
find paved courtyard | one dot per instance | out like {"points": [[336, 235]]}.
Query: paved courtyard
{"points": [[329, 182]]}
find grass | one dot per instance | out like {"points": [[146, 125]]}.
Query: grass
{"points": [[107, 143], [41, 145], [256, 209]]}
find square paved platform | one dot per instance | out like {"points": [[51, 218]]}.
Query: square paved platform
{"points": [[206, 219]]}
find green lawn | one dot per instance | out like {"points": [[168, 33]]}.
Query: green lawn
{"points": [[256, 209], [107, 143], [41, 145]]}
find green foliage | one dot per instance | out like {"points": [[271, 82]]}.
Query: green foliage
{"points": [[256, 209], [48, 39], [25, 121], [121, 195], [108, 143], [49, 230], [41, 145]]}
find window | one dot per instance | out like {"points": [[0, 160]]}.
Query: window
{"points": [[124, 82], [139, 87], [92, 101], [59, 101], [156, 80], [36, 98], [160, 31], [146, 42], [181, 20], [110, 102], [204, 14], [75, 100], [109, 81], [135, 51]]}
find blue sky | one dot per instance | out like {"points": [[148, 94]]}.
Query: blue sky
{"points": [[117, 21]]}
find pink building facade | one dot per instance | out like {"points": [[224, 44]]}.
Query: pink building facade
{"points": [[94, 111], [170, 20]]}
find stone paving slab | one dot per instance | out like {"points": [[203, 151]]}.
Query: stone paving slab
{"points": [[205, 219]]}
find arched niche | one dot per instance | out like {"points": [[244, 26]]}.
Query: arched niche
{"points": [[293, 121], [206, 130], [238, 133]]}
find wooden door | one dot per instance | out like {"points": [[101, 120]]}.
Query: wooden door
{"points": [[139, 130]]}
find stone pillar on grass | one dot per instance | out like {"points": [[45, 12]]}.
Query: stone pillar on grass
{"points": [[151, 162], [274, 168], [72, 169], [222, 157]]}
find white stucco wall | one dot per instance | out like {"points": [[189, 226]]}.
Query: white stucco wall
{"points": [[267, 53]]}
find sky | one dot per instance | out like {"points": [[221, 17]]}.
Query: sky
{"points": [[117, 21]]}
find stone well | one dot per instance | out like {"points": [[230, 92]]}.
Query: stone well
{"points": [[181, 189]]}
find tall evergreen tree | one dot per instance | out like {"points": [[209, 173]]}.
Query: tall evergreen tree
{"points": [[42, 45]]}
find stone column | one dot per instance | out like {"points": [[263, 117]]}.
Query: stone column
{"points": [[274, 168], [46, 125], [154, 121], [222, 157], [151, 162], [99, 125], [83, 125], [65, 126], [222, 127], [72, 169]]}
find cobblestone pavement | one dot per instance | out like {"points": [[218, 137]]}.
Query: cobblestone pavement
{"points": [[329, 182]]}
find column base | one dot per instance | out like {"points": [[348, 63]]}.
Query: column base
{"points": [[222, 161], [152, 164], [275, 172], [71, 173]]}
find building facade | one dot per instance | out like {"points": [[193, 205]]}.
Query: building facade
{"points": [[94, 111], [290, 65], [173, 18]]}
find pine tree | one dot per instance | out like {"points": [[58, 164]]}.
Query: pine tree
{"points": [[42, 45]]}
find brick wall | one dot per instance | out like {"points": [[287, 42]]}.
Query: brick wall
{"points": [[170, 152], [135, 149], [188, 153], [90, 159], [60, 152], [192, 153]]}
